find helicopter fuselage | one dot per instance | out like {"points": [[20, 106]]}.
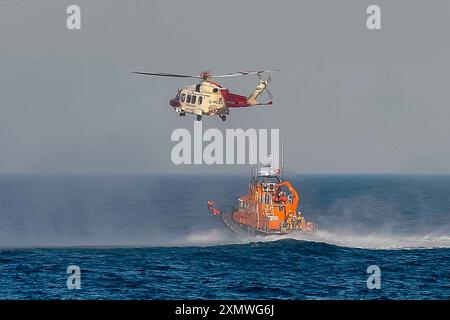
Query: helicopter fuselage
{"points": [[207, 98]]}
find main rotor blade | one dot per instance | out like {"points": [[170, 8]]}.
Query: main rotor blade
{"points": [[166, 75], [242, 73]]}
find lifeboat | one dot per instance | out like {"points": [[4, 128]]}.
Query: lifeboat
{"points": [[269, 207]]}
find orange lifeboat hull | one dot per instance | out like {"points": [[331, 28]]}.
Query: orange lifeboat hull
{"points": [[270, 207]]}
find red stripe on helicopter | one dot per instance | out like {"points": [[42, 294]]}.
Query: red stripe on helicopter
{"points": [[234, 100]]}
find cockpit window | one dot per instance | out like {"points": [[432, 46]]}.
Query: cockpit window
{"points": [[194, 98], [268, 179], [183, 97], [197, 87]]}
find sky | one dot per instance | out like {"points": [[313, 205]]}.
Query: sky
{"points": [[347, 99]]}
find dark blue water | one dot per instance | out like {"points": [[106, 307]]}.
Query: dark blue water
{"points": [[155, 239]]}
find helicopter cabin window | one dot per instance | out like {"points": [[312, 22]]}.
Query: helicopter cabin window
{"points": [[183, 97], [188, 99], [200, 100], [197, 87], [193, 99]]}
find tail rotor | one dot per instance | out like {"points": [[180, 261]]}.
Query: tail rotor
{"points": [[266, 83]]}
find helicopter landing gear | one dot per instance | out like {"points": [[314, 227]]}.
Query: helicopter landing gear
{"points": [[178, 110], [199, 117], [182, 114], [223, 117]]}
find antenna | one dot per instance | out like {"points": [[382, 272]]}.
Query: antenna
{"points": [[282, 158], [251, 157]]}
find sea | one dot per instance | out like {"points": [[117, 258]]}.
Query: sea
{"points": [[152, 237]]}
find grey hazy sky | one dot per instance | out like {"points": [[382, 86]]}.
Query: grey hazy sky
{"points": [[348, 100]]}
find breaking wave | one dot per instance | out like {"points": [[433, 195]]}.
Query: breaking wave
{"points": [[217, 237]]}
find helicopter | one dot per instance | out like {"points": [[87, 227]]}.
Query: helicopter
{"points": [[208, 98]]}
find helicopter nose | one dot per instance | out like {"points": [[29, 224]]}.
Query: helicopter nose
{"points": [[174, 102]]}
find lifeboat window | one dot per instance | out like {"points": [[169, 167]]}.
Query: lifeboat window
{"points": [[200, 100], [183, 97], [194, 98], [188, 99]]}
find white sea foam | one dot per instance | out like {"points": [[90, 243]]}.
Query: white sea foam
{"points": [[211, 237], [372, 241]]}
